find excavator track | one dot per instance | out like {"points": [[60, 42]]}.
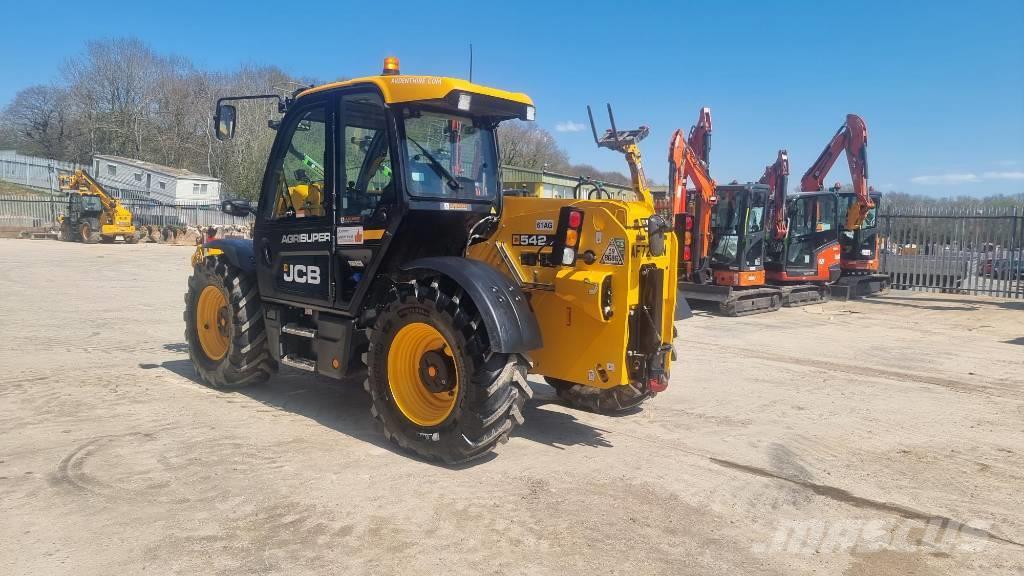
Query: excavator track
{"points": [[804, 295], [854, 286], [751, 301]]}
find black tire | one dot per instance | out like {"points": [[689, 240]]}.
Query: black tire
{"points": [[89, 232], [247, 360], [492, 386], [598, 400], [132, 238], [65, 234]]}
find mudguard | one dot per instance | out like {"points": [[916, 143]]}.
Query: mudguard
{"points": [[238, 251], [511, 325]]}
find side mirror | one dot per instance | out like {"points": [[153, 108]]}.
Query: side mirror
{"points": [[239, 208], [224, 121]]}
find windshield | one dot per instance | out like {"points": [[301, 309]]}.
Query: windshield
{"points": [[449, 157], [91, 204], [849, 200], [727, 222]]}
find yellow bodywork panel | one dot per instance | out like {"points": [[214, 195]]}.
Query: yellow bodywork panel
{"points": [[580, 344], [307, 199], [402, 88]]}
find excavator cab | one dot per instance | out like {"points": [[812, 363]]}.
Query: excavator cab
{"points": [[738, 230], [813, 228], [859, 246]]}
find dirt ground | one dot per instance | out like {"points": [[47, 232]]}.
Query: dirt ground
{"points": [[884, 436]]}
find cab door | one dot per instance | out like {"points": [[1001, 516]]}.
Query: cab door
{"points": [[293, 235], [367, 205]]}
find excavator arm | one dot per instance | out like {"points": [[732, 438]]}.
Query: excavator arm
{"points": [[700, 138], [685, 165], [776, 176], [853, 138]]}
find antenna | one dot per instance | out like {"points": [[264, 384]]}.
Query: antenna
{"points": [[470, 61]]}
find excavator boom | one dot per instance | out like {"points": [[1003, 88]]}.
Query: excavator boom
{"points": [[776, 176], [853, 138]]}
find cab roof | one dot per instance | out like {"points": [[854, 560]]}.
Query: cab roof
{"points": [[410, 88]]}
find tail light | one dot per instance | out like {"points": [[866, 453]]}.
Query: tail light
{"points": [[567, 236], [687, 254], [689, 223]]}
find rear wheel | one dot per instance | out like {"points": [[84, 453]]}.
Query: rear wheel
{"points": [[599, 400], [224, 326], [435, 386]]}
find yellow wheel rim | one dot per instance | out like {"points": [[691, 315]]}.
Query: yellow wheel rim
{"points": [[419, 352], [212, 318]]}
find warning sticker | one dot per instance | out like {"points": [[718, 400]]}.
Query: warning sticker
{"points": [[615, 252], [350, 234]]}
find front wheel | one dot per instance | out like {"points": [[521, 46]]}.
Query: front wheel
{"points": [[434, 384], [89, 233], [227, 340]]}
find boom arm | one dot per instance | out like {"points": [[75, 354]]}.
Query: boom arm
{"points": [[776, 176], [80, 180], [626, 141], [700, 138], [684, 165], [853, 138]]}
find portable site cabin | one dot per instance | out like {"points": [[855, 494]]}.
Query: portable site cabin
{"points": [[138, 180]]}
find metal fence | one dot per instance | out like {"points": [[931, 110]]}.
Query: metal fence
{"points": [[955, 250], [38, 212], [33, 172]]}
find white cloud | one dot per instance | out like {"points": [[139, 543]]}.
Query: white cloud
{"points": [[1003, 175], [569, 126], [966, 177], [955, 178]]}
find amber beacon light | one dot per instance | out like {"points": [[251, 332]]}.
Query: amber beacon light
{"points": [[390, 66]]}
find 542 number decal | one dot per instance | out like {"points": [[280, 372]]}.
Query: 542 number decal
{"points": [[537, 240]]}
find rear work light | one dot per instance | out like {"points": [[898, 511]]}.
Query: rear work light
{"points": [[567, 236]]}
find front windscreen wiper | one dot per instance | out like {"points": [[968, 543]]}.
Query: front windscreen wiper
{"points": [[453, 183]]}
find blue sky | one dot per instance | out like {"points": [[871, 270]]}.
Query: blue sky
{"points": [[940, 83]]}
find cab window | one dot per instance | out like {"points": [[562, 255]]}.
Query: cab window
{"points": [[300, 183], [367, 153]]}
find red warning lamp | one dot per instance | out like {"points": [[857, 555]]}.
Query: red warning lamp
{"points": [[390, 66]]}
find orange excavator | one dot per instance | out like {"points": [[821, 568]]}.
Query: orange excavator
{"points": [[721, 229], [858, 232], [802, 255]]}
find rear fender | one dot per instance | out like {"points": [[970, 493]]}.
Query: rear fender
{"points": [[511, 325]]}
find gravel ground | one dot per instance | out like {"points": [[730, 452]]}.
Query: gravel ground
{"points": [[884, 436]]}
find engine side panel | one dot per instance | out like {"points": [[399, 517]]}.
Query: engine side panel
{"points": [[582, 342]]}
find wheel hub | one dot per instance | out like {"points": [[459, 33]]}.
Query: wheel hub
{"points": [[436, 370]]}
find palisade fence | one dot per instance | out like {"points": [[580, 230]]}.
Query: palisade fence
{"points": [[954, 250], [39, 212]]}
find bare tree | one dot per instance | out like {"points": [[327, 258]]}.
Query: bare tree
{"points": [[529, 146], [38, 121]]}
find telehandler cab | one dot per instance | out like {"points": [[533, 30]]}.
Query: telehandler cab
{"points": [[381, 238]]}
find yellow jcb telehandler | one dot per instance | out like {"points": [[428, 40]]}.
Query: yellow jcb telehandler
{"points": [[92, 214], [382, 239]]}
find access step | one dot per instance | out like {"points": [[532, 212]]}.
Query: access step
{"points": [[296, 361], [299, 330]]}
